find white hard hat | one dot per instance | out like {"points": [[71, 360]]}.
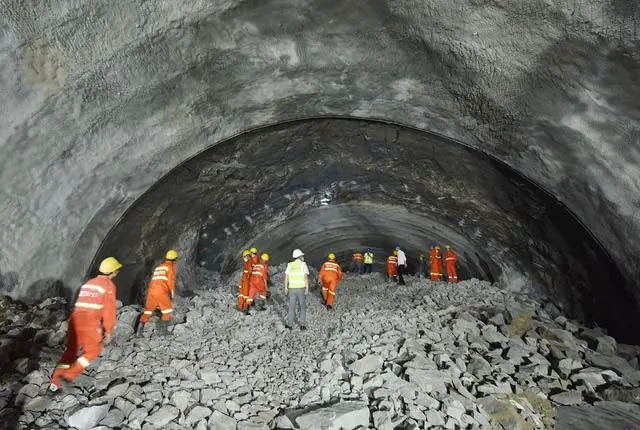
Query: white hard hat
{"points": [[297, 253]]}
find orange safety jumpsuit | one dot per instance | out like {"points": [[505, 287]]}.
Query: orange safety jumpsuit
{"points": [[94, 313], [330, 274], [161, 290], [243, 294], [451, 259], [357, 257], [258, 280], [392, 266], [435, 260]]}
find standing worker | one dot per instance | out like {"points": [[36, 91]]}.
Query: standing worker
{"points": [[357, 261], [258, 283], [162, 289], [243, 288], [94, 313], [422, 268], [451, 259], [368, 261], [402, 265], [435, 260], [329, 276], [296, 286], [392, 266]]}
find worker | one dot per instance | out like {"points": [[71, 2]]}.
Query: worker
{"points": [[243, 288], [422, 267], [296, 286], [93, 315], [435, 261], [258, 283], [160, 294], [329, 277], [253, 259], [357, 261], [451, 259], [368, 261], [402, 265], [392, 266]]}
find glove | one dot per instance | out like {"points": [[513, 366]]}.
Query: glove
{"points": [[286, 291], [107, 338]]}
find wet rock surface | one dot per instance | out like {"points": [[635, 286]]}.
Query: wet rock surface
{"points": [[427, 355]]}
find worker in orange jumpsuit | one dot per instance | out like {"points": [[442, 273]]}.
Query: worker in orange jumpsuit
{"points": [[94, 314], [258, 283], [243, 288], [358, 262], [451, 259], [392, 266], [160, 293], [329, 277], [435, 261]]}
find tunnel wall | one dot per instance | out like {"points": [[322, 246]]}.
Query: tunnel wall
{"points": [[101, 100]]}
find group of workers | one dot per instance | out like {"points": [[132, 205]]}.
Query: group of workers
{"points": [[94, 313], [397, 264], [94, 316]]}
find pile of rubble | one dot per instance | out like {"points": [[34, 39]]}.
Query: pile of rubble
{"points": [[426, 355]]}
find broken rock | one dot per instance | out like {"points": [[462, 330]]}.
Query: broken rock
{"points": [[343, 415]]}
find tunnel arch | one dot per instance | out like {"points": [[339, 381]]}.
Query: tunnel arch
{"points": [[554, 254]]}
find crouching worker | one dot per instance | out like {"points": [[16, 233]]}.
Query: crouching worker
{"points": [[258, 283], [160, 294], [329, 276], [93, 316]]}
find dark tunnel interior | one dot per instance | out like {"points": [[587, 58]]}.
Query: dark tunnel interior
{"points": [[340, 184]]}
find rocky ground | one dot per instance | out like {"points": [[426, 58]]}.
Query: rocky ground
{"points": [[427, 355]]}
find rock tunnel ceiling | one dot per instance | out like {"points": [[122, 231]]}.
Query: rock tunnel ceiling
{"points": [[338, 185], [102, 100]]}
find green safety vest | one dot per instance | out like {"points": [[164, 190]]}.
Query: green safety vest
{"points": [[296, 274], [368, 258]]}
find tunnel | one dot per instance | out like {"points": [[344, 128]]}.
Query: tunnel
{"points": [[340, 185], [329, 126], [508, 130]]}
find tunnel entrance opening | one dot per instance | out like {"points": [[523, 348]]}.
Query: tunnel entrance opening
{"points": [[336, 184]]}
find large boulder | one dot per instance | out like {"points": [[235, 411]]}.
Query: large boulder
{"points": [[367, 364], [87, 417], [341, 416]]}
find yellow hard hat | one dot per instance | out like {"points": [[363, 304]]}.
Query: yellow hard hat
{"points": [[254, 250], [171, 254], [448, 246], [109, 265], [395, 252], [437, 247], [332, 256], [245, 253], [265, 256]]}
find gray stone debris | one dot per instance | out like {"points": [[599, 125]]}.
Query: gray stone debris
{"points": [[343, 415], [367, 364], [87, 417], [163, 416], [444, 358]]}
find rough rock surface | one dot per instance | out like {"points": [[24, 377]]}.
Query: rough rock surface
{"points": [[425, 355]]}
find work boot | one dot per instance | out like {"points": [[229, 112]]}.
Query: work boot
{"points": [[59, 386], [262, 306], [329, 307], [140, 329], [246, 311]]}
